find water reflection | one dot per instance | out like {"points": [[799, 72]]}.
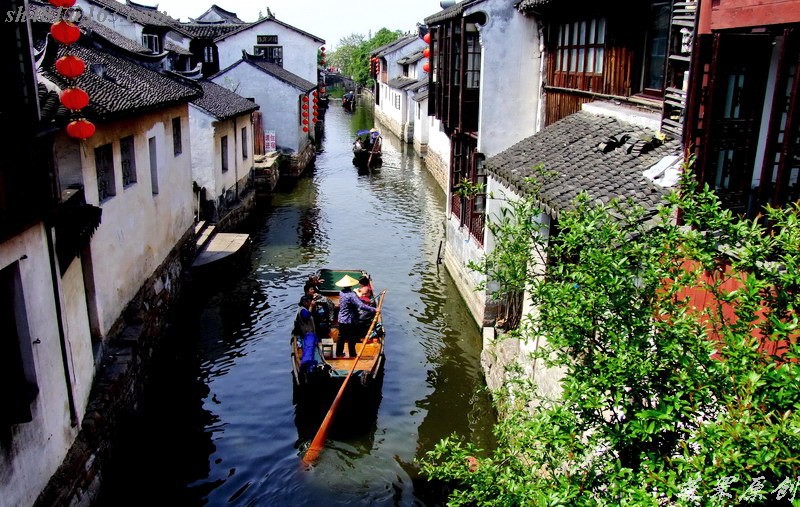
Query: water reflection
{"points": [[220, 424]]}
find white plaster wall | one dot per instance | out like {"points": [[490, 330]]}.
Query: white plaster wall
{"points": [[201, 130], [238, 167], [510, 76], [279, 102], [299, 51], [460, 248], [422, 124], [112, 20], [438, 141], [38, 447], [139, 228], [177, 39], [546, 379], [76, 327]]}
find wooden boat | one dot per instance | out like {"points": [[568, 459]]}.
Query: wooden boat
{"points": [[349, 101], [327, 375], [368, 152]]}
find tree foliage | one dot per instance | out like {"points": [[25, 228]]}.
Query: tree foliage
{"points": [[353, 53], [665, 401]]}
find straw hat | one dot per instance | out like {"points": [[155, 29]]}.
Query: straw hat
{"points": [[347, 281]]}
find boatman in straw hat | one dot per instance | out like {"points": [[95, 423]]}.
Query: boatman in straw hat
{"points": [[349, 304]]}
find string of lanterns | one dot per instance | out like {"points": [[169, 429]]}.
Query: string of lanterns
{"points": [[374, 66], [426, 52], [70, 67]]}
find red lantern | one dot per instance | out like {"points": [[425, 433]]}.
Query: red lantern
{"points": [[63, 3], [305, 129], [81, 129], [427, 38], [305, 107], [74, 98], [70, 66], [315, 101], [314, 120], [322, 49], [322, 62], [65, 32], [305, 122], [426, 52], [426, 66], [314, 93], [305, 99]]}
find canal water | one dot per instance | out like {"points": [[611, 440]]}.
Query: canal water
{"points": [[218, 425]]}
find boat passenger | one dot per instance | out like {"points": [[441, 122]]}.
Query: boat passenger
{"points": [[365, 294], [358, 145], [349, 305], [304, 329], [321, 310]]}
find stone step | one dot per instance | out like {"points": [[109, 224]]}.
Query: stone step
{"points": [[205, 237], [199, 226]]}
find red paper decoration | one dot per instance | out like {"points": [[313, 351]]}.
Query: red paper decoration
{"points": [[426, 52], [305, 99], [74, 98], [305, 122], [70, 66], [427, 38], [426, 66], [81, 129], [315, 100], [305, 129], [62, 3], [65, 32]]}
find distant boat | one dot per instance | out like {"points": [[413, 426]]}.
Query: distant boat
{"points": [[368, 149], [349, 101]]}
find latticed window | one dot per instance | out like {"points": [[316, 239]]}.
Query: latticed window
{"points": [[472, 75], [223, 149], [127, 153], [273, 54], [580, 47], [104, 166]]}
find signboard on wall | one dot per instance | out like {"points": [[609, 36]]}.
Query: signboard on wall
{"points": [[269, 141], [266, 39]]}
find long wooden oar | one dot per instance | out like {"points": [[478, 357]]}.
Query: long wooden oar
{"points": [[318, 443]]}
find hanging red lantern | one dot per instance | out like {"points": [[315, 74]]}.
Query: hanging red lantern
{"points": [[322, 49], [305, 99], [314, 120], [70, 66], [305, 106], [305, 129], [427, 38], [322, 62], [305, 121], [81, 129], [426, 52], [74, 98], [314, 93], [315, 100], [426, 66], [62, 3], [65, 32]]}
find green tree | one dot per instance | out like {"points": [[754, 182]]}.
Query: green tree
{"points": [[663, 402], [353, 53]]}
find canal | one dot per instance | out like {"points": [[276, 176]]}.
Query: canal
{"points": [[218, 426]]}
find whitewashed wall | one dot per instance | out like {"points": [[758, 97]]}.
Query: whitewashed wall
{"points": [[139, 228], [38, 447], [279, 102], [511, 76], [299, 51], [204, 161]]}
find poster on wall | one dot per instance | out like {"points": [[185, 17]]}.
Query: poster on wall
{"points": [[269, 141]]}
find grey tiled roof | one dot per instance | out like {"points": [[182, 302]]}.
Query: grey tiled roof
{"points": [[171, 46], [138, 13], [421, 83], [275, 71], [421, 96], [229, 16], [221, 102], [241, 28], [50, 107], [401, 82], [413, 57], [533, 5], [43, 12], [394, 45], [452, 12], [118, 84], [209, 30], [569, 148]]}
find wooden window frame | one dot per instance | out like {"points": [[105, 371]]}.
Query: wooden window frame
{"points": [[244, 143], [223, 154], [273, 54], [127, 146], [177, 140], [575, 41], [104, 167]]}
